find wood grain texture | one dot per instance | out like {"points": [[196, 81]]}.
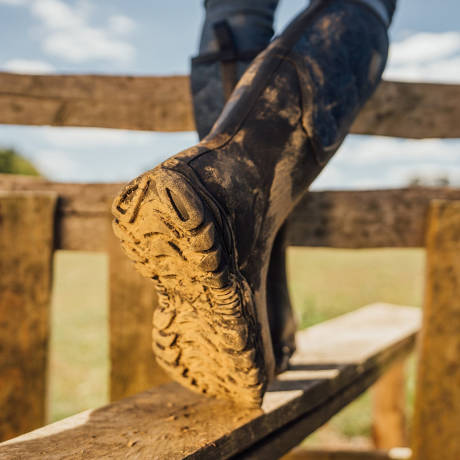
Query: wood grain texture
{"points": [[132, 300], [339, 219], [365, 218], [389, 408], [341, 454], [141, 103], [436, 427], [82, 212], [26, 247], [411, 110], [334, 361]]}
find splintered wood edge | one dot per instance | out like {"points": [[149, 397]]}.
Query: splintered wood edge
{"points": [[336, 361]]}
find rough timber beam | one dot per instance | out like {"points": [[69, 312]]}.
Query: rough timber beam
{"points": [[411, 110], [339, 219], [335, 362], [26, 253]]}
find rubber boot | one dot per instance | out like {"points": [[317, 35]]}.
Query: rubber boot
{"points": [[226, 50], [202, 224]]}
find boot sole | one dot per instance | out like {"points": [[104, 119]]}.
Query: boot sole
{"points": [[205, 329]]}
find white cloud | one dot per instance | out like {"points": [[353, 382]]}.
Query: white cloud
{"points": [[378, 162], [426, 57], [12, 2], [120, 24], [374, 150], [69, 36], [86, 44], [56, 165], [55, 14], [423, 47], [438, 71], [88, 138], [30, 66]]}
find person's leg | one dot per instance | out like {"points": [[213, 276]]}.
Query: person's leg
{"points": [[233, 33], [202, 224]]}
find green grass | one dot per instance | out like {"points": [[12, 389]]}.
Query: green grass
{"points": [[324, 283], [79, 334]]}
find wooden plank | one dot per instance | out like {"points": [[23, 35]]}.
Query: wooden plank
{"points": [[333, 359], [82, 210], [141, 103], [389, 427], [436, 427], [364, 219], [342, 454], [132, 300], [26, 247], [339, 219], [412, 110]]}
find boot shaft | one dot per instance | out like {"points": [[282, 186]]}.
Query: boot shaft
{"points": [[289, 114]]}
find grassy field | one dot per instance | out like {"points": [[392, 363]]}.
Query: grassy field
{"points": [[324, 283]]}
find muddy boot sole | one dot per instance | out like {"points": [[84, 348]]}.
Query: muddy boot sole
{"points": [[205, 330]]}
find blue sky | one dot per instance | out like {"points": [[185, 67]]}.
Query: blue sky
{"points": [[143, 37]]}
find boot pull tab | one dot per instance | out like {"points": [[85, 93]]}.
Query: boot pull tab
{"points": [[228, 49]]}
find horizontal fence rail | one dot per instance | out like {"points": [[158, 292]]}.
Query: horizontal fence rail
{"points": [[338, 219], [410, 110]]}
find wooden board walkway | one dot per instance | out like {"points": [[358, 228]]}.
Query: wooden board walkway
{"points": [[336, 361], [410, 110]]}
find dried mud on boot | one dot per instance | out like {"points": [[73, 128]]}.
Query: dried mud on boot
{"points": [[205, 330]]}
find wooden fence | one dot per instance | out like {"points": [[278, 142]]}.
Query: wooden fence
{"points": [[76, 217]]}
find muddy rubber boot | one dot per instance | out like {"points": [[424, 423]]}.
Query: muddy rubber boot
{"points": [[225, 54], [202, 224]]}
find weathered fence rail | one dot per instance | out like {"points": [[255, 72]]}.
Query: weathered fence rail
{"points": [[338, 219], [335, 362], [409, 110]]}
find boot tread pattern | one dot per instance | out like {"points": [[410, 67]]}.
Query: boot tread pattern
{"points": [[205, 333]]}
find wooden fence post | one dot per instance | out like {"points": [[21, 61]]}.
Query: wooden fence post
{"points": [[132, 300], [26, 248], [436, 429], [389, 401]]}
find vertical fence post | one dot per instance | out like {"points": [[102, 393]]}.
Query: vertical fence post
{"points": [[26, 249], [436, 429], [132, 300], [389, 401]]}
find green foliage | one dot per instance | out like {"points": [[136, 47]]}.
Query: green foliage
{"points": [[13, 163]]}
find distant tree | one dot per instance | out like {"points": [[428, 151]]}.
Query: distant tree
{"points": [[440, 181], [415, 182], [11, 162]]}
